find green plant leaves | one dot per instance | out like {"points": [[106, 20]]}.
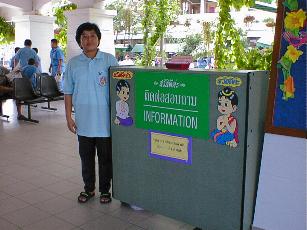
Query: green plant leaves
{"points": [[157, 16], [229, 48], [7, 32]]}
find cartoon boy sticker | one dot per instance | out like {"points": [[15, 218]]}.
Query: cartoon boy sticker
{"points": [[122, 107], [226, 132]]}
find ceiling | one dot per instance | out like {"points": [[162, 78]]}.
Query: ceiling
{"points": [[28, 6]]}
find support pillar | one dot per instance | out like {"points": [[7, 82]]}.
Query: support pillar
{"points": [[202, 6], [40, 30], [104, 20]]}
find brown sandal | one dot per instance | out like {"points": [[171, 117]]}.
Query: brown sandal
{"points": [[105, 198], [85, 197]]}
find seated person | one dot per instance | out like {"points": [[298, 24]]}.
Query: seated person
{"points": [[29, 71], [5, 90], [3, 70]]}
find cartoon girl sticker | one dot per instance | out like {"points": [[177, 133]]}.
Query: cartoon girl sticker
{"points": [[122, 107], [226, 132]]}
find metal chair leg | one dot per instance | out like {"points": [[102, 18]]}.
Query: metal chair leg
{"points": [[29, 116], [48, 107]]}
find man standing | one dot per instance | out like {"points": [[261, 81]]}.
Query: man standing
{"points": [[86, 87], [57, 65], [24, 54]]}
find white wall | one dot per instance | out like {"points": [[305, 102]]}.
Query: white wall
{"points": [[281, 199]]}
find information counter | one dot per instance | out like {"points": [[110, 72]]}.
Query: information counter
{"points": [[187, 144]]}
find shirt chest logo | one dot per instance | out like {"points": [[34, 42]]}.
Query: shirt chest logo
{"points": [[102, 80]]}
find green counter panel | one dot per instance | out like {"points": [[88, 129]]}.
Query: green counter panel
{"points": [[217, 189]]}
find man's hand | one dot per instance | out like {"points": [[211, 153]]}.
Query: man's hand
{"points": [[71, 125]]}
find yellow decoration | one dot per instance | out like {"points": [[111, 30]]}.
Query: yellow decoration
{"points": [[295, 20], [292, 53]]}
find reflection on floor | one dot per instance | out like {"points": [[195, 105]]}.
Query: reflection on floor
{"points": [[40, 180]]}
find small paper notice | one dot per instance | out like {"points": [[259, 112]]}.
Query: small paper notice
{"points": [[170, 147]]}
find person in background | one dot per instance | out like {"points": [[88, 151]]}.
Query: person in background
{"points": [[24, 54], [39, 66], [57, 65], [7, 90], [29, 72], [127, 60], [86, 87], [12, 62]]}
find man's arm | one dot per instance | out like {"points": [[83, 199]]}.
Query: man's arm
{"points": [[16, 60], [36, 58], [68, 110], [60, 66]]}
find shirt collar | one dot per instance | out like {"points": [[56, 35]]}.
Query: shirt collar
{"points": [[99, 55]]}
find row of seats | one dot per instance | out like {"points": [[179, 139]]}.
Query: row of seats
{"points": [[46, 91]]}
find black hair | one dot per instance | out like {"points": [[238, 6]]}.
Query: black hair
{"points": [[16, 49], [35, 49], [53, 40], [229, 94], [28, 42], [87, 26], [31, 61], [122, 83]]}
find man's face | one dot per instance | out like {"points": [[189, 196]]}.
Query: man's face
{"points": [[123, 94], [89, 41], [54, 44], [225, 106]]}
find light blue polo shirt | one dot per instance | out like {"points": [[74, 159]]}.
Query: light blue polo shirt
{"points": [[87, 80], [28, 71], [55, 55], [24, 54]]}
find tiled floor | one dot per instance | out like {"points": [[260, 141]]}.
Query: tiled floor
{"points": [[40, 179]]}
